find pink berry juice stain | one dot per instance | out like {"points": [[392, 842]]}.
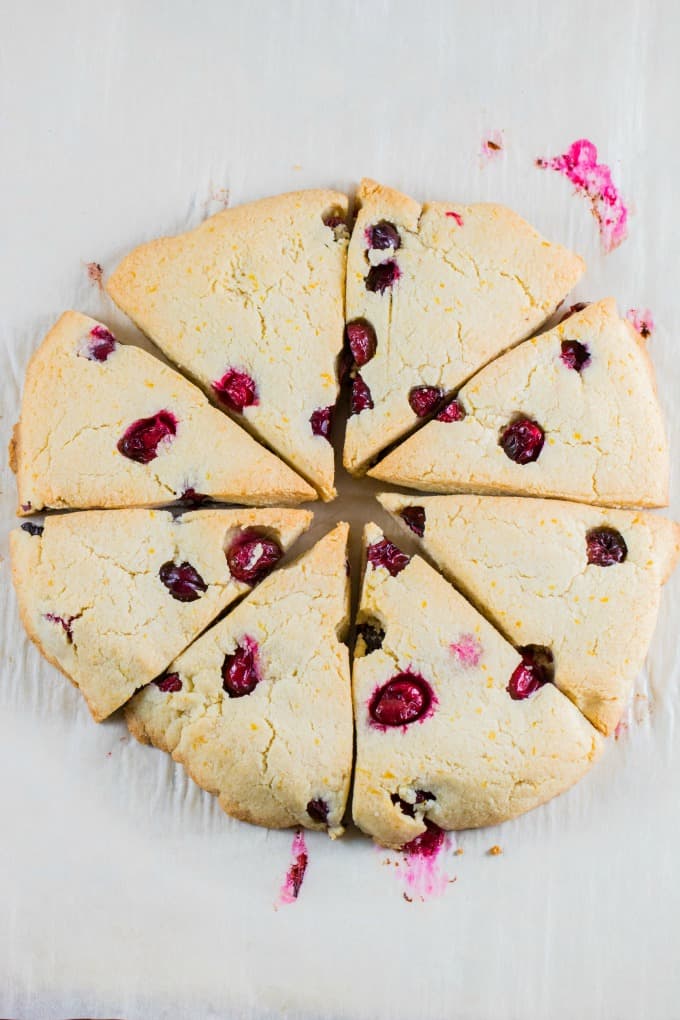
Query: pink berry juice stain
{"points": [[421, 868], [642, 320], [290, 890], [467, 649], [593, 180]]}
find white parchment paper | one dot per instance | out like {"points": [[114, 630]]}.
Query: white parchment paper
{"points": [[124, 892]]}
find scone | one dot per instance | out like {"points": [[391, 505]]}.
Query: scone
{"points": [[582, 582], [111, 597], [571, 413], [107, 425], [258, 710], [454, 728], [434, 292], [251, 304]]}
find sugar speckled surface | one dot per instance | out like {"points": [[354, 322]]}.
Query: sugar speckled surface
{"points": [[125, 892]]}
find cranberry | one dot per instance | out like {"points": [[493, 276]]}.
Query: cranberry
{"points": [[65, 622], [240, 671], [296, 873], [424, 399], [386, 554], [361, 399], [383, 235], [454, 411], [236, 390], [192, 498], [522, 440], [428, 843], [33, 529], [373, 636], [456, 216], [535, 670], [381, 278], [402, 700], [334, 218], [169, 683], [361, 340], [182, 581], [410, 809], [605, 546], [252, 556], [578, 307], [321, 421], [574, 354], [101, 344], [414, 517], [141, 440], [317, 810]]}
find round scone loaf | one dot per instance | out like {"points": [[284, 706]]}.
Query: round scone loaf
{"points": [[259, 709], [583, 582], [251, 304], [434, 292], [571, 413], [111, 597], [105, 424], [454, 728]]}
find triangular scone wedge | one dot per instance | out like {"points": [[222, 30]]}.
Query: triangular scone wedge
{"points": [[581, 581], [571, 413], [111, 597], [259, 709], [251, 304], [464, 283], [107, 425], [469, 754]]}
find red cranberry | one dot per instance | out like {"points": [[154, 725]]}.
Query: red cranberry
{"points": [[410, 809], [578, 307], [574, 355], [65, 622], [317, 810], [361, 340], [100, 344], [386, 554], [373, 636], [428, 843], [182, 581], [381, 278], [141, 440], [383, 235], [296, 873], [192, 498], [401, 701], [240, 671], [236, 390], [455, 216], [361, 399], [321, 421], [169, 683], [414, 516], [522, 440], [252, 556], [535, 670], [605, 546], [33, 529], [334, 218], [454, 411], [424, 399]]}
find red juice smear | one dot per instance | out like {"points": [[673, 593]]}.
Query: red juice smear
{"points": [[467, 650], [594, 180], [424, 875], [492, 146], [290, 890], [642, 320]]}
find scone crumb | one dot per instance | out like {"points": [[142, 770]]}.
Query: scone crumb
{"points": [[494, 851]]}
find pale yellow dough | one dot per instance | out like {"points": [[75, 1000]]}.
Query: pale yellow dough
{"points": [[482, 757], [268, 754], [98, 571]]}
